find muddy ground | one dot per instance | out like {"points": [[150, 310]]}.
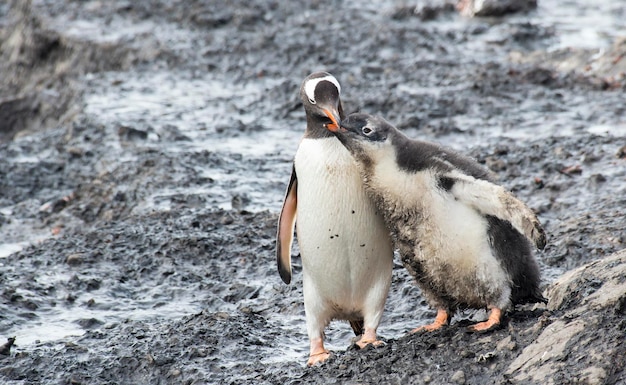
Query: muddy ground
{"points": [[145, 147]]}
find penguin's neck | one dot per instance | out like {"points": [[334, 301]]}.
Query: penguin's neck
{"points": [[315, 129]]}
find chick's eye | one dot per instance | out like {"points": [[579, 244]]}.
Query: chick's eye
{"points": [[366, 130], [312, 101]]}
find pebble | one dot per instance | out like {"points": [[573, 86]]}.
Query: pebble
{"points": [[74, 259], [574, 169], [471, 8], [597, 179], [5, 349], [458, 377], [486, 357], [76, 152], [506, 344], [89, 323], [222, 315]]}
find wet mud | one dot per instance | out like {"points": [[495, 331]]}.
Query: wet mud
{"points": [[145, 148]]}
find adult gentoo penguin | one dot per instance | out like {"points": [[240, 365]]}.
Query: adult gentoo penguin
{"points": [[345, 247], [465, 239]]}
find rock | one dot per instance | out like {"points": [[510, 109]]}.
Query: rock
{"points": [[489, 356], [458, 377], [75, 152], [424, 12], [570, 170], [604, 70], [14, 113], [597, 179], [130, 134], [506, 344], [471, 8], [74, 259], [89, 323], [549, 347], [172, 132], [239, 201], [595, 286], [588, 334], [5, 349]]}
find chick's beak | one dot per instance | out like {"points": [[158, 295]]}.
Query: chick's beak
{"points": [[333, 115]]}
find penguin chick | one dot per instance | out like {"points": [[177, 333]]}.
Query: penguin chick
{"points": [[466, 240], [346, 250]]}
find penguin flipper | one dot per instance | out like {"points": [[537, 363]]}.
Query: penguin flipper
{"points": [[491, 199], [286, 225]]}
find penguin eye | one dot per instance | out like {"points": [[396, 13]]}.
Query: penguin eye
{"points": [[366, 131], [312, 101]]}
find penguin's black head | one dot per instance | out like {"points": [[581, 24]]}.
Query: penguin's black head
{"points": [[366, 127], [365, 136], [320, 96]]}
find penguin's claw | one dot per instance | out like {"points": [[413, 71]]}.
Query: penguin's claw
{"points": [[483, 327], [427, 328], [441, 320], [362, 343], [318, 354], [369, 338], [491, 324], [318, 358]]}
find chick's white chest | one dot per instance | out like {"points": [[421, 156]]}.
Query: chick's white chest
{"points": [[444, 237]]}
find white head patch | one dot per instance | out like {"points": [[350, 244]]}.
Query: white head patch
{"points": [[309, 86]]}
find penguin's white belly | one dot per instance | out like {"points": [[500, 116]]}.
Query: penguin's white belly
{"points": [[467, 268], [450, 238], [459, 234], [345, 247]]}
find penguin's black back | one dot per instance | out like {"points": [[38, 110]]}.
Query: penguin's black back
{"points": [[514, 252], [510, 247], [414, 155]]}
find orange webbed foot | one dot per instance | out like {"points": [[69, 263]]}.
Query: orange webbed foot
{"points": [[369, 338], [441, 320], [491, 324], [318, 354], [318, 358]]}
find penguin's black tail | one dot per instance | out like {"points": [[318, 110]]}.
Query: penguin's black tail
{"points": [[357, 327], [534, 296]]}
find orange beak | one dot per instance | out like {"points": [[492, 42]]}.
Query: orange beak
{"points": [[333, 115]]}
